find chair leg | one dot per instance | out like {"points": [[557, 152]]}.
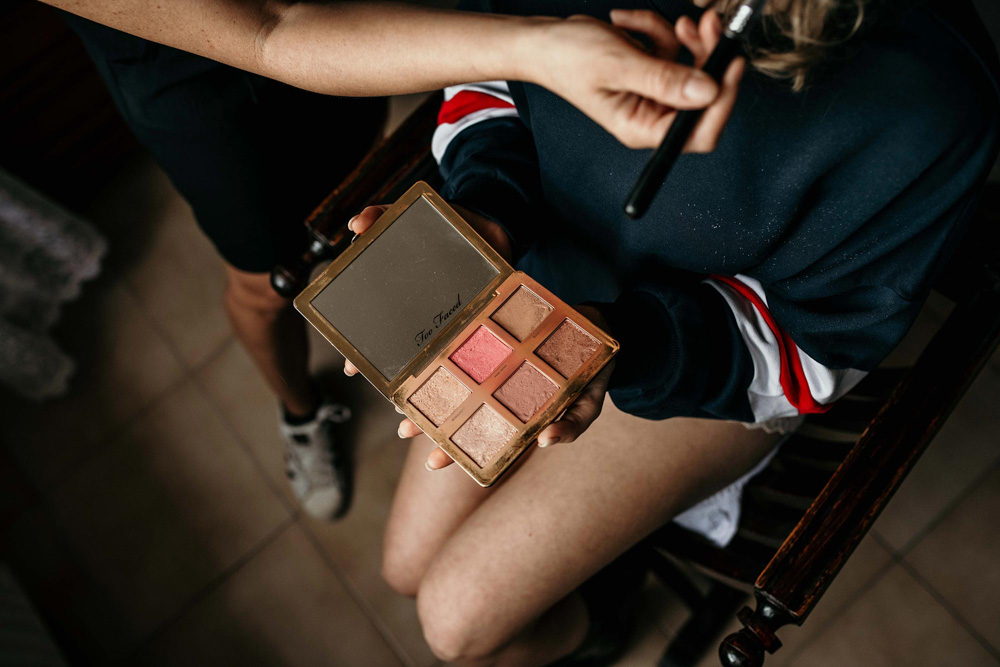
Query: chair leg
{"points": [[705, 624]]}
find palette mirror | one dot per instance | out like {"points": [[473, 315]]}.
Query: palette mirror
{"points": [[398, 294]]}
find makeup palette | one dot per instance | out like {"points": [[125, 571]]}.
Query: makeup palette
{"points": [[480, 356]]}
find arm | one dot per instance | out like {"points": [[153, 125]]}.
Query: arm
{"points": [[376, 48]]}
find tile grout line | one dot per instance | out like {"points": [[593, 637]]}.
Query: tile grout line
{"points": [[128, 286], [948, 607], [47, 488], [863, 589], [212, 586], [245, 446], [949, 507], [359, 598], [104, 443]]}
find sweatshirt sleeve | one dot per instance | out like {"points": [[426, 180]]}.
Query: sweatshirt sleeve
{"points": [[707, 349], [488, 159], [713, 349]]}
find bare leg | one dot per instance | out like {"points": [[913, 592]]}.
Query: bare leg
{"points": [[274, 335], [498, 590]]}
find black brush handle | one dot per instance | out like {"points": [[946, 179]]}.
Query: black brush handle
{"points": [[659, 165]]}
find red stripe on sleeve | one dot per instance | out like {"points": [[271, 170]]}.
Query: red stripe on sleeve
{"points": [[793, 378], [467, 101]]}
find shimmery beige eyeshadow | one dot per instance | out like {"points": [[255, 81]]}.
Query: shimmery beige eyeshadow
{"points": [[567, 348], [526, 391], [522, 313], [483, 435], [439, 396]]}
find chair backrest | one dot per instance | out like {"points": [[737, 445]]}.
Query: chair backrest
{"points": [[876, 464]]}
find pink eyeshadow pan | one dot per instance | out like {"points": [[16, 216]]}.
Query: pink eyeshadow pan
{"points": [[480, 354], [483, 435], [568, 348], [439, 396], [526, 391]]}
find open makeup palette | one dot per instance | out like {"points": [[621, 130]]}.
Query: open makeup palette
{"points": [[479, 356]]}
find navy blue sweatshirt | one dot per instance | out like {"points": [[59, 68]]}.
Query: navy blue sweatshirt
{"points": [[770, 275]]}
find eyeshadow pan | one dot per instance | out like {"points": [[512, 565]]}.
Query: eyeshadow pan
{"points": [[480, 354], [522, 313], [567, 348], [438, 397], [483, 435], [526, 391]]}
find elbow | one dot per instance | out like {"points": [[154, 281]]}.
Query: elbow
{"points": [[270, 15]]}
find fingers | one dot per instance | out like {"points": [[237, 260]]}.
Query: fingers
{"points": [[669, 83], [362, 221], [438, 459], [350, 369], [407, 429], [700, 39], [580, 415], [652, 25], [706, 134]]}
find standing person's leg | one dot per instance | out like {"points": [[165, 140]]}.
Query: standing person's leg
{"points": [[499, 588], [252, 157], [274, 336]]}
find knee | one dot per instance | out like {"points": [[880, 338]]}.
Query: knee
{"points": [[455, 621], [253, 291], [400, 572]]}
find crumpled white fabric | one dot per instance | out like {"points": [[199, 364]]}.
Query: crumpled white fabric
{"points": [[718, 516]]}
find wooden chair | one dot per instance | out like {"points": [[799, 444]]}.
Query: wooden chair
{"points": [[806, 512]]}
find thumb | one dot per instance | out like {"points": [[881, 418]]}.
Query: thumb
{"points": [[669, 83], [362, 221], [577, 418]]}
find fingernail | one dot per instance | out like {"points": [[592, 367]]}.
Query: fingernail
{"points": [[347, 372], [350, 223], [427, 464], [399, 434], [546, 442], [700, 88]]}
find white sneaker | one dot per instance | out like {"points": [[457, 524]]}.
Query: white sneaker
{"points": [[315, 463]]}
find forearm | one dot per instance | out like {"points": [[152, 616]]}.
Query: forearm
{"points": [[348, 48]]}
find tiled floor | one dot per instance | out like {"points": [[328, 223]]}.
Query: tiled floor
{"points": [[155, 526]]}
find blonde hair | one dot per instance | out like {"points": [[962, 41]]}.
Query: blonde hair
{"points": [[796, 37]]}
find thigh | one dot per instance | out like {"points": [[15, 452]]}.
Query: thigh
{"points": [[427, 508], [573, 508]]}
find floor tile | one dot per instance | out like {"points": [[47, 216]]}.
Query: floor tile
{"points": [[869, 562], [179, 280], [123, 365], [965, 447], [284, 607], [960, 558], [235, 386], [166, 508], [355, 544], [896, 622]]}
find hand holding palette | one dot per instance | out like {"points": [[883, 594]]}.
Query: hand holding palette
{"points": [[479, 356]]}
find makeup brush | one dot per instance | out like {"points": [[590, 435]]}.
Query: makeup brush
{"points": [[662, 160]]}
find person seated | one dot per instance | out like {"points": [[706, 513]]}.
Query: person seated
{"points": [[767, 278]]}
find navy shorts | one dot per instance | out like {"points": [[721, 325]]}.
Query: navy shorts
{"points": [[252, 156]]}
